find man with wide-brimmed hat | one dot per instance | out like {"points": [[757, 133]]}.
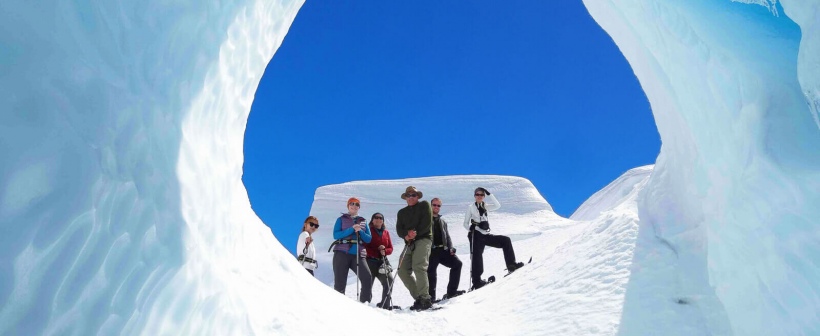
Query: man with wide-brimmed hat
{"points": [[414, 223]]}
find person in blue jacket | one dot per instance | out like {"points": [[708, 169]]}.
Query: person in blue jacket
{"points": [[351, 233]]}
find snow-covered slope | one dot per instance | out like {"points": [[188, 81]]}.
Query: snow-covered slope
{"points": [[122, 209], [612, 195], [524, 213]]}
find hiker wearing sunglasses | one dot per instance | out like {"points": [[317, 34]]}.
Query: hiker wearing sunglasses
{"points": [[443, 253], [351, 233], [378, 249], [414, 223], [477, 223], [305, 250]]}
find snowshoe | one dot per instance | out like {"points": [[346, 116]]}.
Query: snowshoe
{"points": [[483, 283], [422, 304], [452, 295], [513, 267]]}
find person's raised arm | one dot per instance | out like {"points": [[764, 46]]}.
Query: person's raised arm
{"points": [[492, 203]]}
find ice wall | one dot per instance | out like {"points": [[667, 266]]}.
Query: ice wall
{"points": [[120, 145], [734, 193], [122, 209]]}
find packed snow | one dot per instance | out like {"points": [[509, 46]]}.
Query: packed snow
{"points": [[583, 262], [123, 212]]}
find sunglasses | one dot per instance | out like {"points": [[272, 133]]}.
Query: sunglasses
{"points": [[353, 204], [314, 225], [477, 195], [412, 195], [382, 218], [436, 205]]}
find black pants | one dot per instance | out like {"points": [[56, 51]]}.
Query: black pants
{"points": [[375, 265], [482, 240], [440, 255]]}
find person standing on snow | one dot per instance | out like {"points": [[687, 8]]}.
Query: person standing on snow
{"points": [[377, 251], [443, 253], [351, 233], [414, 223], [305, 250], [478, 226]]}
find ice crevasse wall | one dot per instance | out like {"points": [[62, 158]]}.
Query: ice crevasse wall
{"points": [[122, 207], [735, 92]]}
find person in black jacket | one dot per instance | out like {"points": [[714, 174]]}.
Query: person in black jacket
{"points": [[442, 252]]}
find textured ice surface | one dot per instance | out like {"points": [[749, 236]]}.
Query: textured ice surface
{"points": [[122, 208], [118, 119], [734, 192]]}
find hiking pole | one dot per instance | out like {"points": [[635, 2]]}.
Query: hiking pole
{"points": [[357, 265], [393, 279], [472, 239], [386, 274]]}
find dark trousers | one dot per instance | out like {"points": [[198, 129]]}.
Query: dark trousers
{"points": [[440, 255], [344, 262], [375, 265], [481, 241]]}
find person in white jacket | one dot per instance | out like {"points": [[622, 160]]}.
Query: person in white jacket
{"points": [[477, 223], [305, 250]]}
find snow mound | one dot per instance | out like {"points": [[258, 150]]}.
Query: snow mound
{"points": [[612, 195]]}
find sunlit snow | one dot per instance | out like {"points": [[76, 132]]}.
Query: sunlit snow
{"points": [[122, 209]]}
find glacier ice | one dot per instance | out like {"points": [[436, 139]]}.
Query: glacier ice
{"points": [[101, 103], [122, 208], [733, 90]]}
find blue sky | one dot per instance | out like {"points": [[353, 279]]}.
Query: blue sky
{"points": [[364, 90]]}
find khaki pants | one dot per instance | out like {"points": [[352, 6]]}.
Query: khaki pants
{"points": [[415, 261]]}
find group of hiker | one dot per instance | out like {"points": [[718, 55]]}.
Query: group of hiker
{"points": [[363, 248]]}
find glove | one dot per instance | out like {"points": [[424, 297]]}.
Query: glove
{"points": [[484, 225], [486, 192]]}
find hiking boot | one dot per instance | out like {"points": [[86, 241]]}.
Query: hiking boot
{"points": [[415, 305], [480, 284], [424, 304], [452, 295], [512, 267]]}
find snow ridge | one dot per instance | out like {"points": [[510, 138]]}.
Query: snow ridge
{"points": [[611, 195]]}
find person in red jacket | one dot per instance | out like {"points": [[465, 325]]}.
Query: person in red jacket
{"points": [[378, 249]]}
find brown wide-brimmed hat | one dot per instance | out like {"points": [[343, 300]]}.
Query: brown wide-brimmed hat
{"points": [[411, 190]]}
